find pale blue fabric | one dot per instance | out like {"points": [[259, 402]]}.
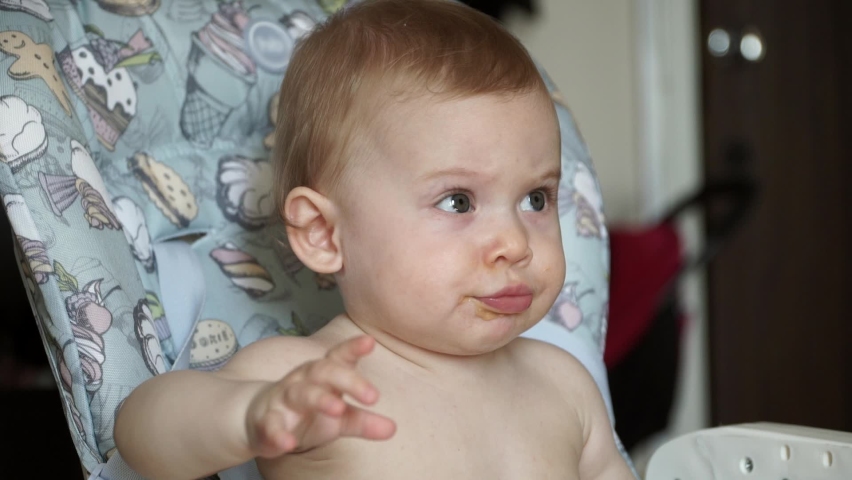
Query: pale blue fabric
{"points": [[183, 293]]}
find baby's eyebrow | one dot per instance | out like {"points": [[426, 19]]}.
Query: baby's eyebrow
{"points": [[450, 172], [552, 174]]}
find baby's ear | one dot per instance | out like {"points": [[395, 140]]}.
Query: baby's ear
{"points": [[312, 230]]}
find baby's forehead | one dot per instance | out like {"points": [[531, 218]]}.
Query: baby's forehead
{"points": [[390, 108], [417, 130]]}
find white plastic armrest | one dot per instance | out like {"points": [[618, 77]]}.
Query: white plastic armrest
{"points": [[755, 451]]}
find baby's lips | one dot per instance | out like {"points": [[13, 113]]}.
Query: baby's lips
{"points": [[507, 304]]}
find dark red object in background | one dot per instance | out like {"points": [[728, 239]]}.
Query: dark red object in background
{"points": [[644, 263], [645, 317]]}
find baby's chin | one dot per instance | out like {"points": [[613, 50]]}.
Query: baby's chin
{"points": [[459, 349], [482, 336]]}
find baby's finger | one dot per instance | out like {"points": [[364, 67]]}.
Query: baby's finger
{"points": [[343, 378], [352, 350], [308, 396], [358, 422]]}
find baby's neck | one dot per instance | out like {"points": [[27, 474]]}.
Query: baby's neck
{"points": [[405, 355]]}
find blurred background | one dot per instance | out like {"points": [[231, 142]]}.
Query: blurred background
{"points": [[630, 71], [674, 95], [670, 96]]}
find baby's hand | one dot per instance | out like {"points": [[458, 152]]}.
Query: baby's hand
{"points": [[305, 409]]}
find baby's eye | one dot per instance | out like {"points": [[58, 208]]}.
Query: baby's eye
{"points": [[455, 203], [534, 201]]}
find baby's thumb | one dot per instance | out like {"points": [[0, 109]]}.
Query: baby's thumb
{"points": [[358, 422], [271, 438]]}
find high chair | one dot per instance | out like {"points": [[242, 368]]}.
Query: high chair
{"points": [[134, 168], [755, 451]]}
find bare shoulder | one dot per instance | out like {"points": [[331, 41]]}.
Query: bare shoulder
{"points": [[563, 372], [600, 458], [271, 358], [554, 364]]}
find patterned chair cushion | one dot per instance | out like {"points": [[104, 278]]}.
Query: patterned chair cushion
{"points": [[132, 130]]}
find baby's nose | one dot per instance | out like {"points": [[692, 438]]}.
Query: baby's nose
{"points": [[509, 243]]}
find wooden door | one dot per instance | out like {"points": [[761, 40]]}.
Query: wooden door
{"points": [[780, 295]]}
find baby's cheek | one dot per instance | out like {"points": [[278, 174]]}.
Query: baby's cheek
{"points": [[553, 265], [545, 233]]}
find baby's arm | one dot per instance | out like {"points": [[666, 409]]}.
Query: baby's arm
{"points": [[600, 458], [188, 424]]}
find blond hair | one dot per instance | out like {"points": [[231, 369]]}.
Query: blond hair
{"points": [[348, 67]]}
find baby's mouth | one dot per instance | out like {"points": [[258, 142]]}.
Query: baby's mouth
{"points": [[512, 302], [481, 311]]}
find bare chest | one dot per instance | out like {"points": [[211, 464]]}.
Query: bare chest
{"points": [[503, 432]]}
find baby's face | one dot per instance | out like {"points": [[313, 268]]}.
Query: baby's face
{"points": [[449, 229]]}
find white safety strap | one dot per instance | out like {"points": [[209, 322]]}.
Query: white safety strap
{"points": [[114, 469], [182, 293]]}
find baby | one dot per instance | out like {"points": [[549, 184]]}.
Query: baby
{"points": [[418, 157]]}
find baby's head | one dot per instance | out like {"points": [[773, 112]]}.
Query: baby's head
{"points": [[350, 69], [417, 158]]}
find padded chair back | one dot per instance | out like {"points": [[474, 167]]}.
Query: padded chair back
{"points": [[134, 167]]}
